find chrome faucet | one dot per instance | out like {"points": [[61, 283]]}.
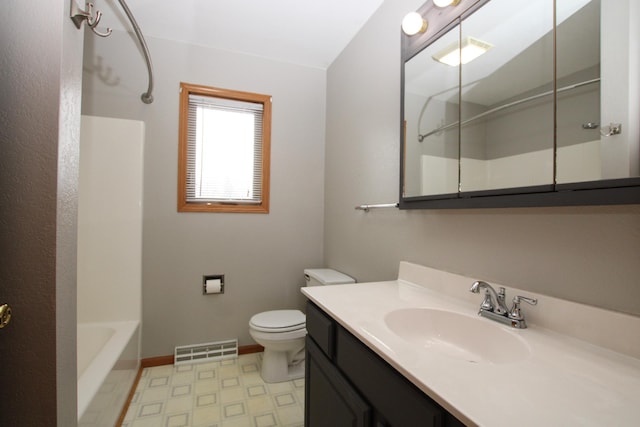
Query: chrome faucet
{"points": [[490, 295], [494, 308]]}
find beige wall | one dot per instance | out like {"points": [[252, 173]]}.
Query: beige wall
{"points": [[261, 256], [585, 254]]}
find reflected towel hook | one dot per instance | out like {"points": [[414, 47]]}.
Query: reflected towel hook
{"points": [[614, 129], [590, 126], [78, 15]]}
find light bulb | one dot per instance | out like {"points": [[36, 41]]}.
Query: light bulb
{"points": [[445, 3], [413, 23]]}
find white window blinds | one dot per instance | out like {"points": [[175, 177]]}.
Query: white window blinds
{"points": [[224, 152]]}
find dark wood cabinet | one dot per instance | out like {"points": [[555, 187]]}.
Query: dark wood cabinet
{"points": [[347, 384], [333, 401]]}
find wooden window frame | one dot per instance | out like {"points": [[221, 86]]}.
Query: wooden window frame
{"points": [[183, 205]]}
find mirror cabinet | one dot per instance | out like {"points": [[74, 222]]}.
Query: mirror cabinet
{"points": [[534, 103]]}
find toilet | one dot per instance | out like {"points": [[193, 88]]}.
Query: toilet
{"points": [[282, 332]]}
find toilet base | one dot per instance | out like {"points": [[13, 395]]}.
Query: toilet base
{"points": [[276, 369]]}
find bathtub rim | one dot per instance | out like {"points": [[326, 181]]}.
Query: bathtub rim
{"points": [[96, 372]]}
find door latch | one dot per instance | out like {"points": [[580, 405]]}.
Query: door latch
{"points": [[5, 315]]}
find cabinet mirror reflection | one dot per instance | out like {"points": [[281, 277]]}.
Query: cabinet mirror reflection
{"points": [[522, 97]]}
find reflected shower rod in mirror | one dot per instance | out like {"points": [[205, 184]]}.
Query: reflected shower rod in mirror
{"points": [[421, 137], [78, 15]]}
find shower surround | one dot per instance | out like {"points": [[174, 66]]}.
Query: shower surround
{"points": [[109, 265]]}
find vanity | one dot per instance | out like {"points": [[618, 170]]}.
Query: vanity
{"points": [[349, 384], [414, 352]]}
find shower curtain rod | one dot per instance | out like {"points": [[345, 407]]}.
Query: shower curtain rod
{"points": [[146, 97], [421, 137], [79, 15]]}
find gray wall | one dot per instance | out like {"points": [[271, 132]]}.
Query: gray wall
{"points": [[261, 256], [41, 62], [585, 254]]}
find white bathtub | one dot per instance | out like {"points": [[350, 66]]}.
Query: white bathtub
{"points": [[108, 355]]}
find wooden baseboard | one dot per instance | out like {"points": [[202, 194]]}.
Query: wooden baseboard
{"points": [[150, 362], [132, 392], [248, 349]]}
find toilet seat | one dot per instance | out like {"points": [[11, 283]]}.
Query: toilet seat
{"points": [[278, 321]]}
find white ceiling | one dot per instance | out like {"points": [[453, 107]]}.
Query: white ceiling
{"points": [[305, 32]]}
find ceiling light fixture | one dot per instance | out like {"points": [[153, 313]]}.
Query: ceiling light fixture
{"points": [[414, 23], [445, 3], [471, 49]]}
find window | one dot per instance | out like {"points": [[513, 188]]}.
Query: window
{"points": [[224, 150]]}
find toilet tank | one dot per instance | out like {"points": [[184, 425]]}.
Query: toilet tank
{"points": [[326, 276]]}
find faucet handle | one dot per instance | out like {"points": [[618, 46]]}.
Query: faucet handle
{"points": [[487, 302], [515, 312], [501, 296], [500, 307]]}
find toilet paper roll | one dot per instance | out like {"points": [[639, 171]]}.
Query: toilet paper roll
{"points": [[213, 286]]}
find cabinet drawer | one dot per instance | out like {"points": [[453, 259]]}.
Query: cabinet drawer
{"points": [[398, 401], [321, 328]]}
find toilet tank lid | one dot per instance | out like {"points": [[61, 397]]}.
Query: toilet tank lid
{"points": [[328, 276]]}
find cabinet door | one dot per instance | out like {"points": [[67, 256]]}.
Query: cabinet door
{"points": [[330, 401]]}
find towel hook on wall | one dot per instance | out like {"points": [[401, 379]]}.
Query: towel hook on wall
{"points": [[78, 15]]}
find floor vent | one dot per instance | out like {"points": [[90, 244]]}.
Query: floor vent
{"points": [[206, 352]]}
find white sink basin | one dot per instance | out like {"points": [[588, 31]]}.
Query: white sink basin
{"points": [[456, 335]]}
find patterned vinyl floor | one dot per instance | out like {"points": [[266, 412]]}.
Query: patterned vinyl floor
{"points": [[227, 393]]}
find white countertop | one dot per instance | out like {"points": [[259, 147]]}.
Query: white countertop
{"points": [[564, 381]]}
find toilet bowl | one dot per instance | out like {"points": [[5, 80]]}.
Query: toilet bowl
{"points": [[282, 332]]}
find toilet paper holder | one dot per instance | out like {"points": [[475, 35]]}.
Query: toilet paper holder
{"points": [[213, 284]]}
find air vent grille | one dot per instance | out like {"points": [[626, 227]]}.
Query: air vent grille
{"points": [[206, 352]]}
